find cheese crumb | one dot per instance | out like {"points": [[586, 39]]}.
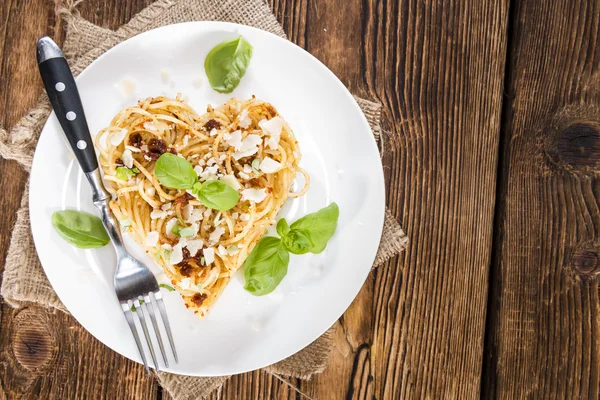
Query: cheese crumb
{"points": [[272, 128], [194, 245], [249, 146], [156, 214], [151, 191], [256, 195], [169, 226], [231, 181], [269, 165], [164, 74], [185, 283], [222, 250], [216, 235], [245, 120], [209, 255], [243, 175], [234, 139], [127, 158], [118, 137], [177, 253], [151, 239], [127, 87], [245, 217], [166, 206], [213, 132]]}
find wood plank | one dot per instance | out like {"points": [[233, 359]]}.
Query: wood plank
{"points": [[438, 69], [545, 325], [45, 354]]}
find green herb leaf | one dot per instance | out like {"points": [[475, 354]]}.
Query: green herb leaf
{"points": [[133, 309], [297, 242], [187, 231], [175, 172], [312, 232], [125, 174], [202, 261], [282, 227], [217, 195], [125, 223], [266, 266], [226, 64], [80, 229], [176, 230], [168, 287], [256, 166]]}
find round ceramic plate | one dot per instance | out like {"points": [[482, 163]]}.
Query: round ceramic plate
{"points": [[242, 332]]}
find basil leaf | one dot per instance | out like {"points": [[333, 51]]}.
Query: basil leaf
{"points": [[297, 242], [313, 231], [226, 64], [282, 227], [175, 172], [216, 195], [125, 174], [168, 287], [266, 266], [80, 229]]}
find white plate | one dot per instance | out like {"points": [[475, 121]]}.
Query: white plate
{"points": [[242, 332]]}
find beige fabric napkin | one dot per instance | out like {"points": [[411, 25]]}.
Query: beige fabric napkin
{"points": [[24, 280]]}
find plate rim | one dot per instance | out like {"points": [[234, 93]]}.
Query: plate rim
{"points": [[378, 227]]}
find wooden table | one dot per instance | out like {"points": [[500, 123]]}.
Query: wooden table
{"points": [[493, 107]]}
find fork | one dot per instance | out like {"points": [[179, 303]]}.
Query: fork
{"points": [[136, 287]]}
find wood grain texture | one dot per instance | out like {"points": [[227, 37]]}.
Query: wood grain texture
{"points": [[63, 362], [438, 68], [416, 329], [544, 323]]}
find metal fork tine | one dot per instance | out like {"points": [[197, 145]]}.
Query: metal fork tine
{"points": [[131, 323], [142, 309], [156, 329], [165, 319]]}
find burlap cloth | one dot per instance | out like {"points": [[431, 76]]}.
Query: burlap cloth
{"points": [[24, 280]]}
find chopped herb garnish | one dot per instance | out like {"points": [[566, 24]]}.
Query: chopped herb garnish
{"points": [[203, 261], [126, 223], [133, 306], [168, 287], [256, 166], [185, 232], [125, 174], [176, 230]]}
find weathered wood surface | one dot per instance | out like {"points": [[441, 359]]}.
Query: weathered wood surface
{"points": [[544, 319], [417, 328]]}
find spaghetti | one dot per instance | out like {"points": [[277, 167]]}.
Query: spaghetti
{"points": [[244, 143]]}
